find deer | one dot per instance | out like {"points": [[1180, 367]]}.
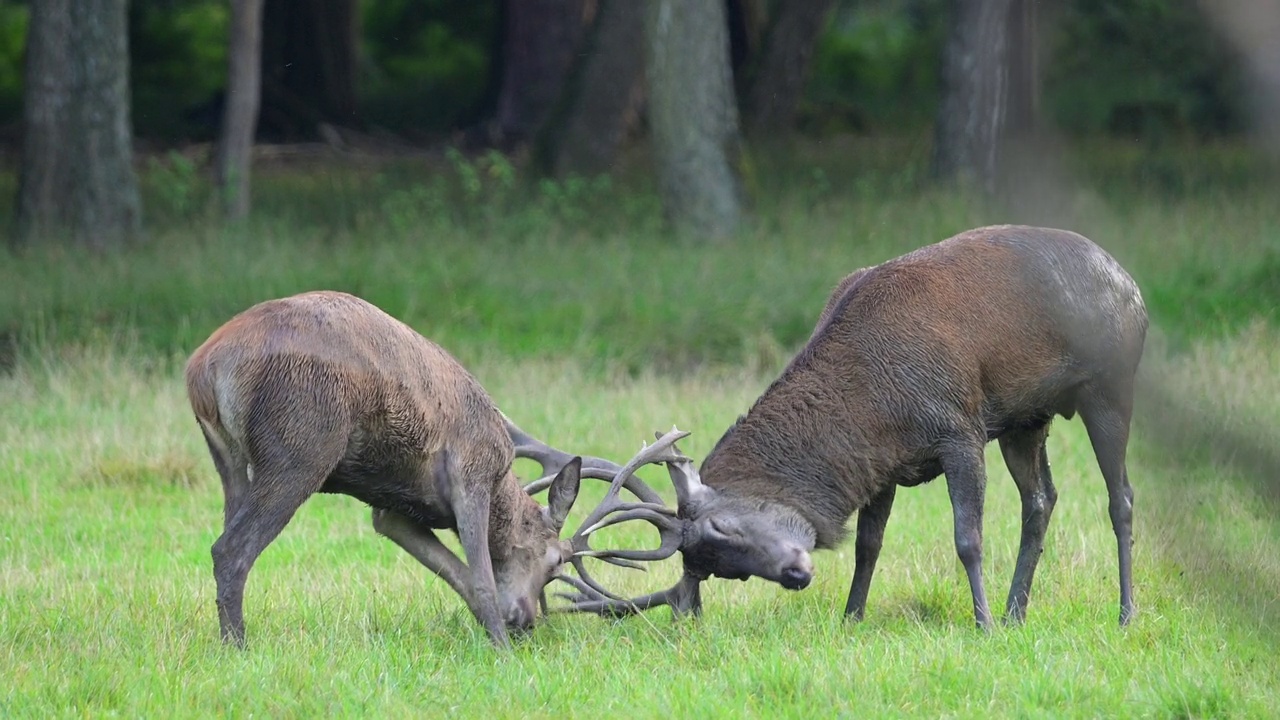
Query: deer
{"points": [[912, 368], [324, 392]]}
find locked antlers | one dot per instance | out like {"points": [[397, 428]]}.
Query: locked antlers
{"points": [[612, 509]]}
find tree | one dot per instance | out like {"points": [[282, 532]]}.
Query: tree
{"points": [[692, 115], [975, 81], [1024, 61], [309, 54], [76, 177], [240, 111], [585, 132], [541, 37], [782, 68]]}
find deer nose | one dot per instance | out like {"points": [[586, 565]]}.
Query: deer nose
{"points": [[794, 578], [798, 574], [520, 615]]}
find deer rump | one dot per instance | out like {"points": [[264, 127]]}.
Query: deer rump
{"points": [[913, 366]]}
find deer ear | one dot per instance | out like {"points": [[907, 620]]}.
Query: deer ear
{"points": [[564, 490]]}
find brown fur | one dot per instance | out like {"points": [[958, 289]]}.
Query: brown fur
{"points": [[323, 392], [913, 366]]}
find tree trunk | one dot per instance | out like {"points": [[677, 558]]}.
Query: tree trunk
{"points": [[748, 21], [774, 92], [309, 54], [975, 83], [693, 117], [240, 111], [1023, 117], [76, 178], [601, 95], [542, 37]]}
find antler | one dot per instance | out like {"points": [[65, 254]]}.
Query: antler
{"points": [[613, 510], [684, 596], [553, 460]]}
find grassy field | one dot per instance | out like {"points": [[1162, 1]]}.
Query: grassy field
{"points": [[592, 330]]}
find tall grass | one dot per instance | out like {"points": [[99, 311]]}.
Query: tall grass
{"points": [[484, 260]]}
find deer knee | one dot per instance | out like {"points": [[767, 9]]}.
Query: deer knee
{"points": [[1121, 509], [969, 548]]}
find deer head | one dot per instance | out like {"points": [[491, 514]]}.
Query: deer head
{"points": [[536, 553], [718, 534]]}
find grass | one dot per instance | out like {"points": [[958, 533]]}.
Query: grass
{"points": [[110, 504], [592, 328]]}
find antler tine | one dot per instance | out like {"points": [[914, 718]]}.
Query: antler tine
{"points": [[596, 473], [553, 460], [683, 597], [662, 450]]}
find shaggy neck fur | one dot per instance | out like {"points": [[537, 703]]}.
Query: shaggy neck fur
{"points": [[798, 447]]}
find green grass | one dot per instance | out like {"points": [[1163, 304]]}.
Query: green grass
{"points": [[109, 505], [593, 328]]}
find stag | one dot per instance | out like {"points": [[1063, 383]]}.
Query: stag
{"points": [[323, 392], [913, 367]]}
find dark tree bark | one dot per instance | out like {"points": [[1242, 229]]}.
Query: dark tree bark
{"points": [[748, 21], [76, 178], [1023, 117], [541, 39], [309, 53], [782, 69], [240, 111], [975, 90], [601, 96], [693, 116]]}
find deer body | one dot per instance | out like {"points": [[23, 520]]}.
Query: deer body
{"points": [[912, 368], [323, 392]]}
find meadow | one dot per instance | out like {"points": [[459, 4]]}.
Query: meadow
{"points": [[592, 329]]}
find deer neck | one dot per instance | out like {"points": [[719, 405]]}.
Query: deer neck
{"points": [[508, 508], [798, 446]]}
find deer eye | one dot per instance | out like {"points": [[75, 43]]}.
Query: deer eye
{"points": [[720, 527]]}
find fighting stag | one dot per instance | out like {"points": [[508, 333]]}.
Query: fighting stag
{"points": [[913, 367], [324, 392]]}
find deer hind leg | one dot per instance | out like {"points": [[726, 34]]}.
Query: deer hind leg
{"points": [[232, 469], [421, 542], [871, 523], [282, 481], [1106, 416], [1028, 463], [967, 484]]}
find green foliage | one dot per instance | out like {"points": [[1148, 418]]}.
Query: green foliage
{"points": [[178, 63], [176, 192], [427, 64], [13, 41], [1142, 68], [876, 68]]}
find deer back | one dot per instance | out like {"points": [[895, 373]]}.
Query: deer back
{"points": [[329, 367]]}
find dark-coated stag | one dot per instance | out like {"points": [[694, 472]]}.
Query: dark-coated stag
{"points": [[323, 392], [913, 367]]}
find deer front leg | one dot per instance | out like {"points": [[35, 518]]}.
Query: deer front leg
{"points": [[420, 542], [871, 523], [966, 484]]}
